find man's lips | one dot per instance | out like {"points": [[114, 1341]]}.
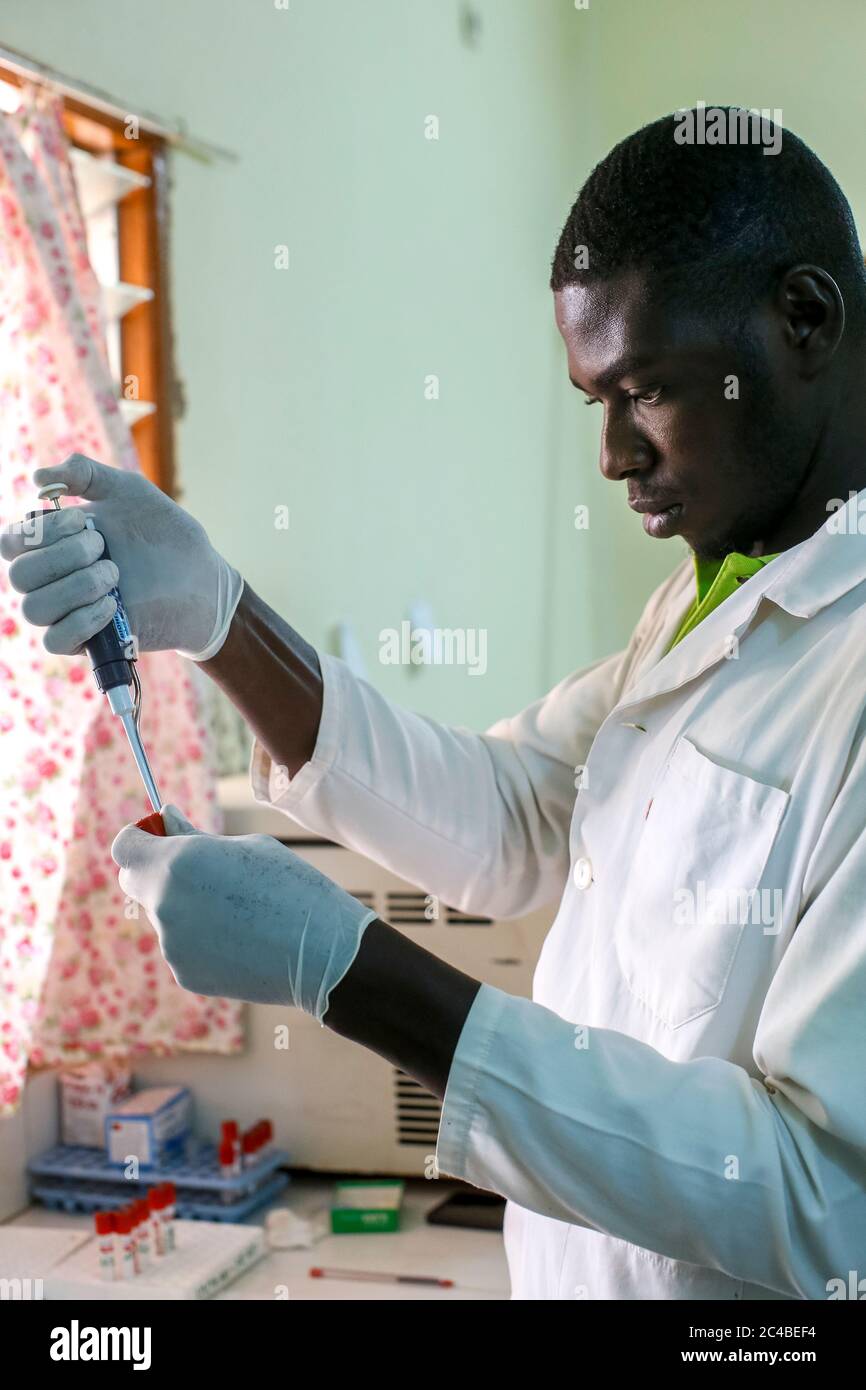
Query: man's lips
{"points": [[661, 518], [652, 504]]}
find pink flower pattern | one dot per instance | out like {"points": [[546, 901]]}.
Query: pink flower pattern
{"points": [[81, 975]]}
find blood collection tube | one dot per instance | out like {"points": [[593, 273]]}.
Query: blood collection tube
{"points": [[249, 1146], [154, 1207], [168, 1211], [163, 1217], [118, 1246], [228, 1168], [104, 1224], [267, 1137], [123, 1228], [230, 1159], [229, 1133], [142, 1234], [132, 1208]]}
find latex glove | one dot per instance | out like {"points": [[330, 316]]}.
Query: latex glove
{"points": [[241, 916], [178, 592]]}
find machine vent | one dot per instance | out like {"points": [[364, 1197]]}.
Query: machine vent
{"points": [[464, 919], [416, 1112], [414, 909], [411, 909]]}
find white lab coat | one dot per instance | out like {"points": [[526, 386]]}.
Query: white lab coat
{"points": [[680, 1113]]}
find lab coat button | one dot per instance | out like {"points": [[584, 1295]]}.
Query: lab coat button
{"points": [[582, 874]]}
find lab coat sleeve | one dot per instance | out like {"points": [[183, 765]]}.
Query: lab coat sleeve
{"points": [[763, 1179], [480, 820]]}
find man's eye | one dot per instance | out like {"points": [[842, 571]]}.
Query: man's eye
{"points": [[648, 397], [590, 400]]}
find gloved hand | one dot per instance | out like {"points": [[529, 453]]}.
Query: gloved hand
{"points": [[178, 592], [241, 916]]}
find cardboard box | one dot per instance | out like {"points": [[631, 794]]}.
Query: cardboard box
{"points": [[151, 1125], [87, 1093]]}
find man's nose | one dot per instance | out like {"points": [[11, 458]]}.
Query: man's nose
{"points": [[623, 449]]}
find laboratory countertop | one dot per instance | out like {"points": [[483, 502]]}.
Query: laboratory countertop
{"points": [[475, 1260]]}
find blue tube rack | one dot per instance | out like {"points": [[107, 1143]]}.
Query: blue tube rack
{"points": [[70, 1177]]}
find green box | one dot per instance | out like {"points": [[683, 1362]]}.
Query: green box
{"points": [[367, 1206]]}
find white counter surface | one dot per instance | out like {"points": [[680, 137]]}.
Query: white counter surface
{"points": [[475, 1260]]}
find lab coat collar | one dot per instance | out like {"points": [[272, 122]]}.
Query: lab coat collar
{"points": [[802, 580], [826, 566]]}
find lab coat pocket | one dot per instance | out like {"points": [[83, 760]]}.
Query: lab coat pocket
{"points": [[694, 883]]}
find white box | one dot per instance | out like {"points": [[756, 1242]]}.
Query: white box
{"points": [[87, 1093], [150, 1126]]}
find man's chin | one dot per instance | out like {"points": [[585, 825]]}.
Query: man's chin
{"points": [[715, 545]]}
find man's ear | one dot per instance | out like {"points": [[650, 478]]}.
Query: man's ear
{"points": [[813, 313]]}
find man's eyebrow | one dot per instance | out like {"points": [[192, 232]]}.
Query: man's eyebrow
{"points": [[623, 366]]}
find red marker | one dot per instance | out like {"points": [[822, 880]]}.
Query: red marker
{"points": [[373, 1276], [153, 824]]}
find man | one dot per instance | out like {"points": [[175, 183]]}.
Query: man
{"points": [[679, 1113]]}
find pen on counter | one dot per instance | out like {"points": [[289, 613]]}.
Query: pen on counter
{"points": [[373, 1276]]}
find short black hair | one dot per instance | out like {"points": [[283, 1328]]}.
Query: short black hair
{"points": [[717, 224]]}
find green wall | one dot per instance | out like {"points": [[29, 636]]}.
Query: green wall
{"points": [[411, 257]]}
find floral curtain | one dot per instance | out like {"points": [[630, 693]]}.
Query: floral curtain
{"points": [[80, 973]]}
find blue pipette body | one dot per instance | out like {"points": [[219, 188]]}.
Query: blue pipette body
{"points": [[112, 656]]}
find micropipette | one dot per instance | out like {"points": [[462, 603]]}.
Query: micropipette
{"points": [[112, 656]]}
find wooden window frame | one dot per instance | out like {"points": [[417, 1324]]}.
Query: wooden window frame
{"points": [[143, 237]]}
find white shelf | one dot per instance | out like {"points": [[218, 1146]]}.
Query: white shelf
{"points": [[133, 411], [103, 182], [119, 299]]}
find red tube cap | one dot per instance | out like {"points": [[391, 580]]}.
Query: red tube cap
{"points": [[153, 824]]}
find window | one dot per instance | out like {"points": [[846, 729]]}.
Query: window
{"points": [[121, 174]]}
